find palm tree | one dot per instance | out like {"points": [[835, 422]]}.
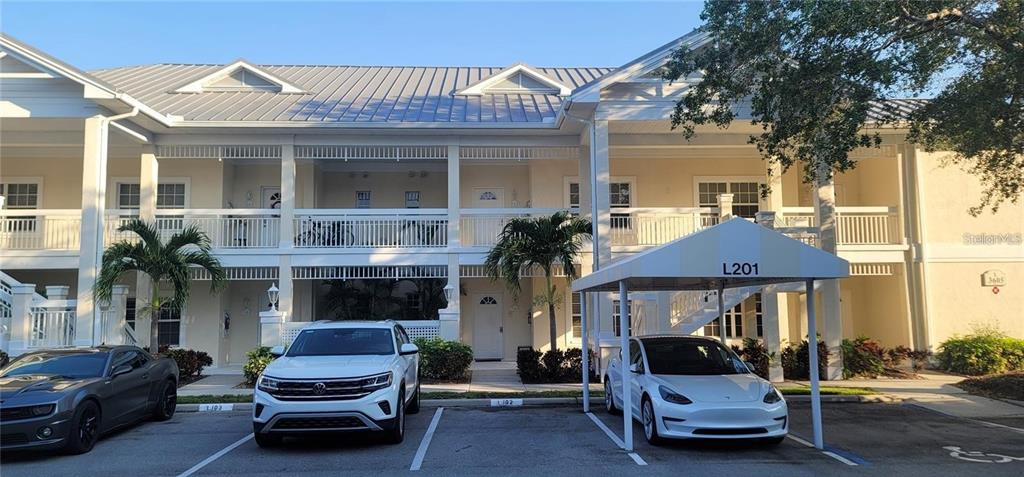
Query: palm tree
{"points": [[162, 262], [542, 242]]}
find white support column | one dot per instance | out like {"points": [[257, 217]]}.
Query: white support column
{"points": [[772, 335], [722, 327], [812, 354], [94, 172], [288, 194], [600, 212], [57, 292], [449, 327], [584, 331], [454, 197], [286, 287], [627, 375], [149, 175], [825, 214], [111, 331], [271, 328], [21, 317], [724, 207]]}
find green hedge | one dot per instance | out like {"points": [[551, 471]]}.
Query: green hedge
{"points": [[190, 362], [257, 360], [554, 366], [444, 360], [983, 352]]}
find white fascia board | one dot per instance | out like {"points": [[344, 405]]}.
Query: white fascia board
{"points": [[591, 93], [480, 87], [198, 85]]}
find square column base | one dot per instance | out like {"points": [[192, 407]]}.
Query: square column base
{"points": [[448, 326], [271, 328]]}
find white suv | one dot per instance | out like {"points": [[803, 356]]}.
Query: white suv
{"points": [[339, 376]]}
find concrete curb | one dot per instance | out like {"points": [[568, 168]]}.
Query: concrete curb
{"points": [[557, 401]]}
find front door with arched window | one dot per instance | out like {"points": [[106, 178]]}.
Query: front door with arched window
{"points": [[487, 327]]}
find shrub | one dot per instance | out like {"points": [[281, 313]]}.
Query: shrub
{"points": [[983, 352], [755, 353], [257, 360], [190, 362], [528, 366], [4, 358], [555, 366], [444, 360], [796, 361], [864, 357]]}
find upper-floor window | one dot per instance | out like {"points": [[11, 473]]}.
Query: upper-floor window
{"points": [[168, 196], [616, 315], [20, 195], [362, 199], [575, 315], [412, 199], [733, 323], [621, 194], [745, 196], [574, 195]]}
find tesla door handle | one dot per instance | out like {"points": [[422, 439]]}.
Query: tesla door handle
{"points": [[501, 329]]}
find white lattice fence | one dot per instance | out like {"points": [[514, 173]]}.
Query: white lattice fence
{"points": [[291, 329], [426, 329]]}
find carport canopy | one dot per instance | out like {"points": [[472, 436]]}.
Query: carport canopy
{"points": [[734, 253]]}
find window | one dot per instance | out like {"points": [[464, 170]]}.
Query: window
{"points": [[241, 80], [620, 198], [636, 356], [733, 323], [758, 315], [168, 196], [521, 83], [169, 326], [575, 318], [615, 317], [20, 195], [129, 312], [362, 199], [413, 307], [574, 195], [412, 199], [745, 196]]}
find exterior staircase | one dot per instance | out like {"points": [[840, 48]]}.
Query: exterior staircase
{"points": [[691, 310]]}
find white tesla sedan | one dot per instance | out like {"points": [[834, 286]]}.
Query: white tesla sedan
{"points": [[693, 387]]}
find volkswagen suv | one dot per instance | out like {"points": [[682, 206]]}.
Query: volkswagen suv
{"points": [[339, 376]]}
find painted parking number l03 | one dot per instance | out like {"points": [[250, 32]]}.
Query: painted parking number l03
{"points": [[739, 268]]}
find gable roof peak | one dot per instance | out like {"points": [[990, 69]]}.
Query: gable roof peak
{"points": [[538, 82], [220, 79]]}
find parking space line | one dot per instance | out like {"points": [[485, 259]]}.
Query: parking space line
{"points": [[795, 438], [839, 457], [833, 453], [611, 435], [636, 458], [216, 456], [421, 452], [1001, 426]]}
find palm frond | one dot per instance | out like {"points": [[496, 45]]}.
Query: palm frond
{"points": [[190, 235], [148, 232]]}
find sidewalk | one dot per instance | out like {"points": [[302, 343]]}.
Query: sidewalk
{"points": [[936, 392], [217, 384]]}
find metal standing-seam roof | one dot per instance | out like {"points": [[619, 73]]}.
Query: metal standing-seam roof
{"points": [[347, 94]]}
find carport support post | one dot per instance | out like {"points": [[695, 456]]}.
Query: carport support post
{"points": [[721, 313], [627, 388], [812, 354], [586, 352]]}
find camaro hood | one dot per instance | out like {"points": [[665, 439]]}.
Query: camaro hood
{"points": [[717, 388], [323, 367], [41, 385]]}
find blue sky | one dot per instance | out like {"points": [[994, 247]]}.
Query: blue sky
{"points": [[93, 35]]}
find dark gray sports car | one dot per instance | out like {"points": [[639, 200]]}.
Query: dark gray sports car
{"points": [[66, 399]]}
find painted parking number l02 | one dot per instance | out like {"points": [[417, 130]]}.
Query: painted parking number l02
{"points": [[739, 268]]}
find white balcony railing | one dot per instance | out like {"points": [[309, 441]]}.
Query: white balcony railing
{"points": [[371, 228], [481, 227], [53, 324], [43, 229], [655, 226], [227, 228], [854, 225]]}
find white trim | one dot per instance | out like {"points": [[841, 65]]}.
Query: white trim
{"points": [[113, 193], [483, 86], [200, 85]]}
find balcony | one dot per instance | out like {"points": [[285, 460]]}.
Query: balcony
{"points": [[371, 228], [857, 226], [227, 228]]}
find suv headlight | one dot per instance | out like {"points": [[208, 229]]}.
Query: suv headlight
{"points": [[773, 396], [267, 384], [377, 381], [673, 397]]}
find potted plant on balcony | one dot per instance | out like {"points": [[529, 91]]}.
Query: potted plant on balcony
{"points": [[163, 262], [541, 242]]}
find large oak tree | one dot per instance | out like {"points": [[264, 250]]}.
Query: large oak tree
{"points": [[816, 72]]}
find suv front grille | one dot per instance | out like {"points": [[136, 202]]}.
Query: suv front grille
{"points": [[332, 389], [318, 423]]}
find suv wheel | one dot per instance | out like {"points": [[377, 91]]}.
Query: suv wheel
{"points": [[414, 404], [396, 434]]}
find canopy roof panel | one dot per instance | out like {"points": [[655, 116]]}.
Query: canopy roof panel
{"points": [[735, 253]]}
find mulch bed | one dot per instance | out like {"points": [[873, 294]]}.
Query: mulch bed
{"points": [[1004, 386]]}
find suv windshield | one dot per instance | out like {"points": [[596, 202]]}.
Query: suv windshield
{"points": [[691, 357], [76, 365], [343, 342]]}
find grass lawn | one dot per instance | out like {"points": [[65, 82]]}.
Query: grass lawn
{"points": [[788, 391]]}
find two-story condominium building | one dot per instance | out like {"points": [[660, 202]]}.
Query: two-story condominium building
{"points": [[341, 182]]}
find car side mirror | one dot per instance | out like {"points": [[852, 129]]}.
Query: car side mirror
{"points": [[750, 366], [277, 351], [634, 368], [408, 348], [122, 369]]}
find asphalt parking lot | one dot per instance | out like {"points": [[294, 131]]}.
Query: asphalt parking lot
{"points": [[862, 439]]}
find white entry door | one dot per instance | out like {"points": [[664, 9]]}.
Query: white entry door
{"points": [[487, 329], [271, 197]]}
